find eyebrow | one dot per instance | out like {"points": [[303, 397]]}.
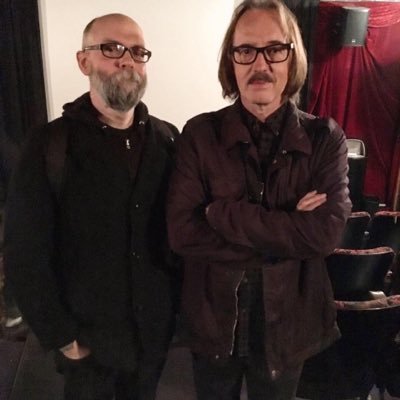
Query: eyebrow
{"points": [[118, 42], [271, 43]]}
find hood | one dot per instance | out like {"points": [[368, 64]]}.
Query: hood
{"points": [[82, 110]]}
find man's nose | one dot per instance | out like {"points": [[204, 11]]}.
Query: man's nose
{"points": [[260, 63], [126, 61]]}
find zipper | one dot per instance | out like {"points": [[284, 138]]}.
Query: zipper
{"points": [[237, 312], [128, 143]]}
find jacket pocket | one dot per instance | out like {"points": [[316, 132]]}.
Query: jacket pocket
{"points": [[306, 314]]}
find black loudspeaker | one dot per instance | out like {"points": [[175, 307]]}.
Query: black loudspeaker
{"points": [[353, 26]]}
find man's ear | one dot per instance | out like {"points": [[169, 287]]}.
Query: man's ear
{"points": [[83, 62]]}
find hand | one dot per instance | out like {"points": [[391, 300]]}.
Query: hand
{"points": [[311, 201], [75, 351]]}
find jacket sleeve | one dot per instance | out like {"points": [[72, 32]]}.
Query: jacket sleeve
{"points": [[293, 234], [189, 232], [29, 249]]}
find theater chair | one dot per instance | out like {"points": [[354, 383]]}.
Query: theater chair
{"points": [[384, 230], [357, 159], [354, 234], [355, 273], [366, 354]]}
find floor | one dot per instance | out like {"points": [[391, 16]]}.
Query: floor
{"points": [[36, 379], [27, 373]]}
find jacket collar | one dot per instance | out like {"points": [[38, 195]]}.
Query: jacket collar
{"points": [[294, 135], [83, 110]]}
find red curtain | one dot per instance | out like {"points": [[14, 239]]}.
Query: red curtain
{"points": [[395, 178], [360, 88]]}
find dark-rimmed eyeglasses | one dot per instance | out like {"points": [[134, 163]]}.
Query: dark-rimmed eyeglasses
{"points": [[117, 50], [274, 53]]}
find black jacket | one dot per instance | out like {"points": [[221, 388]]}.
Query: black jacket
{"points": [[238, 234], [90, 265]]}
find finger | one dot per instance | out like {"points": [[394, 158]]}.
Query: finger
{"points": [[316, 202], [309, 195], [312, 202]]}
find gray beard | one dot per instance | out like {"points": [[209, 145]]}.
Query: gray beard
{"points": [[120, 91]]}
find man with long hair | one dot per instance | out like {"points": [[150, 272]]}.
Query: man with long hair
{"points": [[257, 200]]}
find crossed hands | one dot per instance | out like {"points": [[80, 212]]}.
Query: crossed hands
{"points": [[311, 201]]}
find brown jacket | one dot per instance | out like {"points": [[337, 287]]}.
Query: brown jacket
{"points": [[216, 161]]}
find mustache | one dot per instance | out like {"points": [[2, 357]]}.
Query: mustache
{"points": [[261, 76], [121, 90], [126, 75]]}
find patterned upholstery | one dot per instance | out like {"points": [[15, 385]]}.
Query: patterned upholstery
{"points": [[384, 302], [364, 252], [388, 213]]}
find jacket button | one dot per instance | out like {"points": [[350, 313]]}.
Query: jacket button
{"points": [[284, 152], [216, 356], [274, 162], [274, 373], [137, 205]]}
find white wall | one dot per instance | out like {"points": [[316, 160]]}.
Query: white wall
{"points": [[184, 35]]}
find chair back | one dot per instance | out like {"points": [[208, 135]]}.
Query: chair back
{"points": [[354, 233], [357, 160], [384, 230], [354, 273], [365, 355], [355, 147]]}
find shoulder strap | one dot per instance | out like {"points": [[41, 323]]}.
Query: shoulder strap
{"points": [[55, 157], [166, 131]]}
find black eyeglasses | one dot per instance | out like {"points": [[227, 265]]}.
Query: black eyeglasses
{"points": [[117, 50], [275, 53]]}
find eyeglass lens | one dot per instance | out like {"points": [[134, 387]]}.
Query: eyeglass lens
{"points": [[116, 50], [275, 53]]}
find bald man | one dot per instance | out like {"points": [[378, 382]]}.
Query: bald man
{"points": [[86, 252]]}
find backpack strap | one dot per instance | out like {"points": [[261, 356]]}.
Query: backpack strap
{"points": [[55, 156], [166, 131]]}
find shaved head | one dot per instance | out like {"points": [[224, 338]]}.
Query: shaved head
{"points": [[98, 23]]}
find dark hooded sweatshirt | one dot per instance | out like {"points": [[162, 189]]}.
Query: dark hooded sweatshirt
{"points": [[89, 262]]}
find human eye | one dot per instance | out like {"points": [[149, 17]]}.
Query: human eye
{"points": [[244, 54], [112, 49], [244, 50], [140, 54], [276, 51]]}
